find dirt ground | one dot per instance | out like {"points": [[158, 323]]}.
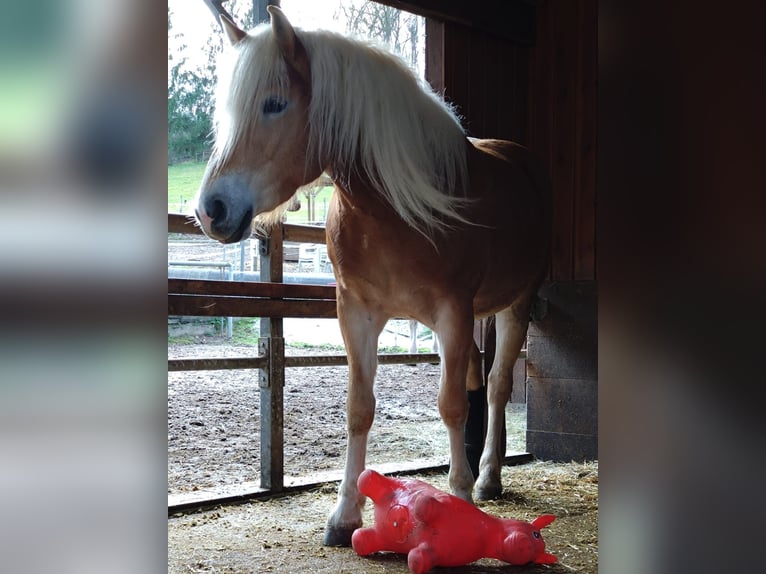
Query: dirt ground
{"points": [[213, 421]]}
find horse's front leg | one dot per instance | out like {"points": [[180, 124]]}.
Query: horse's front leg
{"points": [[455, 327], [360, 327]]}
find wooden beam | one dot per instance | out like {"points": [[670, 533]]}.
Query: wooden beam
{"points": [[178, 223], [186, 502], [271, 345], [250, 289], [513, 20], [229, 306], [216, 364], [304, 233]]}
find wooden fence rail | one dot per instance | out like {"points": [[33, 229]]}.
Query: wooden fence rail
{"points": [[271, 300]]}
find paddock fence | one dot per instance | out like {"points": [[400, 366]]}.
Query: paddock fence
{"points": [[271, 300]]}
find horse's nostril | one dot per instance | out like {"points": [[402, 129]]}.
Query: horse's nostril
{"points": [[216, 210]]}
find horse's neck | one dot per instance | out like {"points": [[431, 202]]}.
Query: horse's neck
{"points": [[356, 190]]}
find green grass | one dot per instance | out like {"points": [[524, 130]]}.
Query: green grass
{"points": [[184, 179], [183, 182]]}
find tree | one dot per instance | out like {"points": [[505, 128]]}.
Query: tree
{"points": [[400, 31], [190, 101], [191, 90]]}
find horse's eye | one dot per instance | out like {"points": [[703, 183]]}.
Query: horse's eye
{"points": [[274, 106], [536, 534]]}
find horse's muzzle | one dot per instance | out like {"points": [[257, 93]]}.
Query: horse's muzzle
{"points": [[216, 221]]}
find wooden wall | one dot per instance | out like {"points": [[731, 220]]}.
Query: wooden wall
{"points": [[542, 93], [562, 128], [484, 76]]}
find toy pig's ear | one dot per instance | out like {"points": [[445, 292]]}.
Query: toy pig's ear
{"points": [[546, 558], [543, 521]]}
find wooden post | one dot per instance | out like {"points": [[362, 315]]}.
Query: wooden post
{"points": [[272, 378], [562, 374]]}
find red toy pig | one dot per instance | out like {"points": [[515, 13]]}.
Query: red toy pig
{"points": [[438, 529]]}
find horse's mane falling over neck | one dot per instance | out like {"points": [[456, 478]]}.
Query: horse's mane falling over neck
{"points": [[370, 116]]}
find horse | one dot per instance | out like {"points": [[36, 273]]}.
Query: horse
{"points": [[424, 223]]}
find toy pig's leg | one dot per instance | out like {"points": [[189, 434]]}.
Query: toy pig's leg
{"points": [[365, 541], [511, 327], [360, 328], [420, 559], [454, 323]]}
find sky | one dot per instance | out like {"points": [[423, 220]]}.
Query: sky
{"points": [[193, 19]]}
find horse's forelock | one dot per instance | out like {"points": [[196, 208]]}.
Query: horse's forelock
{"points": [[252, 71]]}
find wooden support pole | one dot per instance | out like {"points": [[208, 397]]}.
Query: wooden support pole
{"points": [[272, 378]]}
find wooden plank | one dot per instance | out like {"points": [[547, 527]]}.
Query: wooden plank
{"points": [[585, 151], [435, 54], [260, 362], [564, 344], [457, 72], [562, 405], [185, 502], [214, 364], [304, 233], [178, 223], [562, 128], [540, 113], [564, 21], [228, 306], [562, 447], [519, 112], [510, 19], [482, 78], [250, 289], [483, 66]]}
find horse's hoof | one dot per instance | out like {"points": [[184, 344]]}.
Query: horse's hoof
{"points": [[488, 492], [336, 536]]}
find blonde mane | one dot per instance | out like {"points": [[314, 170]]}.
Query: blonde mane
{"points": [[370, 113]]}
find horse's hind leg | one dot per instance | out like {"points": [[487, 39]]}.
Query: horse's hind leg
{"points": [[360, 328], [475, 428], [511, 327], [455, 328]]}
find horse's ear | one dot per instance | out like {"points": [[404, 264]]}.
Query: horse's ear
{"points": [[290, 46], [234, 34], [283, 31]]}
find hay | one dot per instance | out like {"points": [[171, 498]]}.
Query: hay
{"points": [[284, 534]]}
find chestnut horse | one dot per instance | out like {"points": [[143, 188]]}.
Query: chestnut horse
{"points": [[424, 223]]}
